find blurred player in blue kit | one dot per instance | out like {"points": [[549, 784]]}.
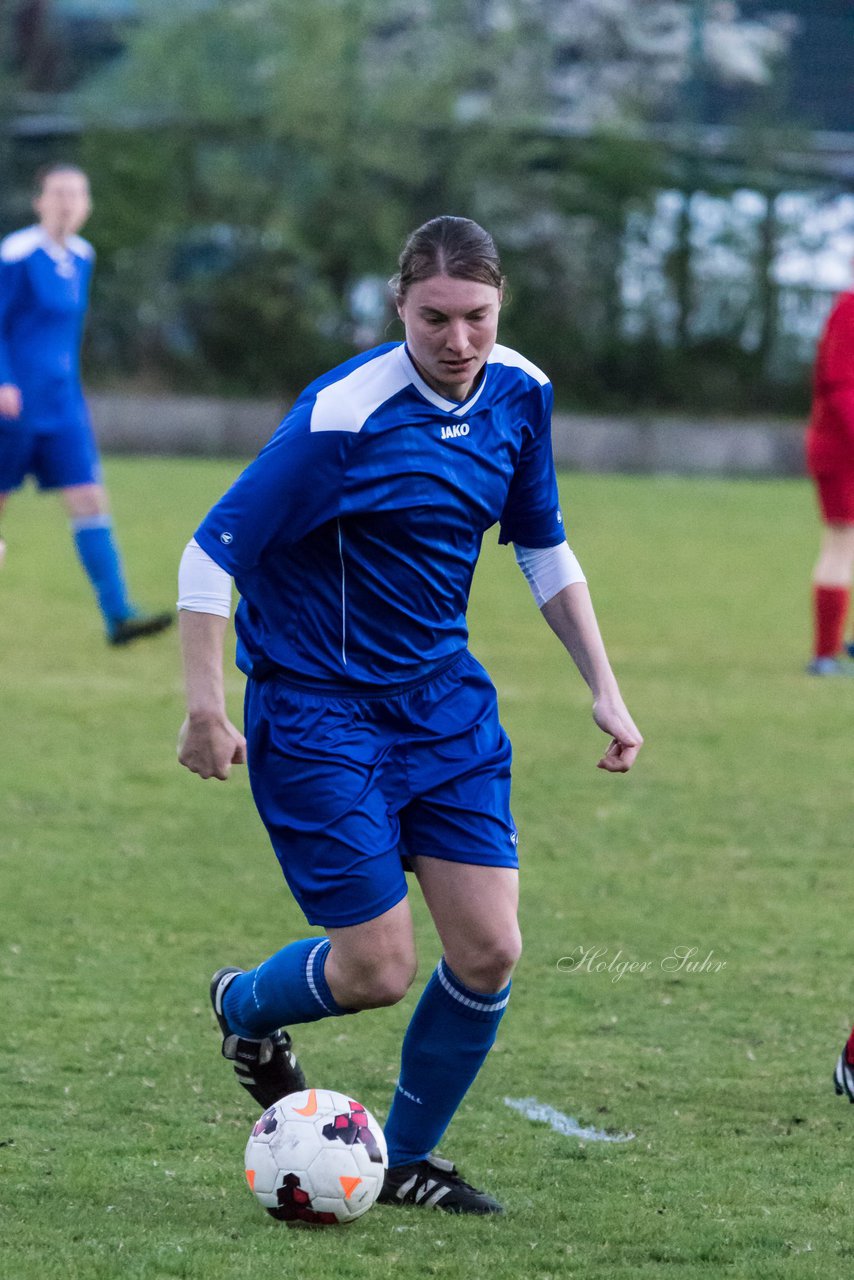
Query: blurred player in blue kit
{"points": [[372, 733], [44, 423]]}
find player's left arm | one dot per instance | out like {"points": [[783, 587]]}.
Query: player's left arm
{"points": [[569, 613], [532, 521]]}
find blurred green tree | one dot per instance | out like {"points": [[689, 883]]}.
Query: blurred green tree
{"points": [[257, 162]]}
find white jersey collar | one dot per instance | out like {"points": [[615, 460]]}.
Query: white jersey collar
{"points": [[449, 406], [61, 253]]}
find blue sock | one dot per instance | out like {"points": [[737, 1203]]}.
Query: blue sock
{"points": [[96, 546], [288, 988], [452, 1030]]}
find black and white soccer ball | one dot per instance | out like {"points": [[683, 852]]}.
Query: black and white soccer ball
{"points": [[316, 1157]]}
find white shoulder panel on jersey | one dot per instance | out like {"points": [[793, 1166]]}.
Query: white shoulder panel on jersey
{"points": [[347, 404], [20, 244], [79, 247], [506, 355]]}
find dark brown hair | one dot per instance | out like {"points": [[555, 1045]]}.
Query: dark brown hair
{"points": [[447, 246], [46, 171]]}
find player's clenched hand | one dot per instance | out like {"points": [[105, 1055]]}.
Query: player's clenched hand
{"points": [[612, 717], [210, 746], [10, 400]]}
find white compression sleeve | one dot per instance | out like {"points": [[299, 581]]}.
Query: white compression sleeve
{"points": [[548, 569], [203, 587]]}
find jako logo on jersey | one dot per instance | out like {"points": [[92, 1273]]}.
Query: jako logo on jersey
{"points": [[226, 538], [454, 432]]}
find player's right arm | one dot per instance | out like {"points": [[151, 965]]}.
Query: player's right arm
{"points": [[10, 400], [208, 743], [271, 494], [10, 392]]}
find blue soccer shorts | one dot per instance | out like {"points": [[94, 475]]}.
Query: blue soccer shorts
{"points": [[55, 459], [351, 787]]}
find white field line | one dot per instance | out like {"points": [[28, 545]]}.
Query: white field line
{"points": [[531, 1109]]}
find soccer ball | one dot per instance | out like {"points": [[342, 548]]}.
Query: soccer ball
{"points": [[316, 1156]]}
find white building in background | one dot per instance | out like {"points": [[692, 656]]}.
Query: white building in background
{"points": [[814, 260]]}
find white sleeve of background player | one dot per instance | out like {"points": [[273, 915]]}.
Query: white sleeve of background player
{"points": [[203, 587], [548, 569]]}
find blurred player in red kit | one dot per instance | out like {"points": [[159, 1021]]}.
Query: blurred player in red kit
{"points": [[830, 461]]}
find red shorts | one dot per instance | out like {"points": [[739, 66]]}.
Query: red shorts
{"points": [[836, 496]]}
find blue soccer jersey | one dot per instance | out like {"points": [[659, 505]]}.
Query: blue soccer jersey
{"points": [[353, 536], [44, 291]]}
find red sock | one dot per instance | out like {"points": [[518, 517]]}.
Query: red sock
{"points": [[830, 609], [849, 1050]]}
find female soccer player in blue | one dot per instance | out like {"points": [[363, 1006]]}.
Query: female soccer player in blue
{"points": [[44, 424], [372, 734]]}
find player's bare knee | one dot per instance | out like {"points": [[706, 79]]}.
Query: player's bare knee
{"points": [[488, 967], [378, 990], [84, 500], [377, 985], [392, 988]]}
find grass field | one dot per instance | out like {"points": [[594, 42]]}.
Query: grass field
{"points": [[126, 881]]}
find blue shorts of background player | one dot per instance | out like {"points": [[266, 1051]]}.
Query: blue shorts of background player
{"points": [[53, 459], [352, 788]]}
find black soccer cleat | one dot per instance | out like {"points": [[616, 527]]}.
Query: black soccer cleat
{"points": [[434, 1184], [843, 1076], [137, 626], [267, 1069]]}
